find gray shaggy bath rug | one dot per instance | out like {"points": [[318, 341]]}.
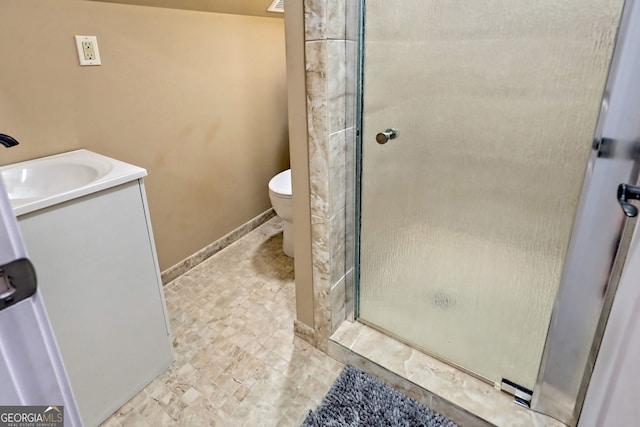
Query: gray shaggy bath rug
{"points": [[359, 400]]}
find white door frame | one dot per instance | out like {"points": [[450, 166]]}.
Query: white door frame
{"points": [[613, 394]]}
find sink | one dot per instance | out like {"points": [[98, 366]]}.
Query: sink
{"points": [[43, 182]]}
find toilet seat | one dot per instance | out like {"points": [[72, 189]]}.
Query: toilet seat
{"points": [[280, 185], [282, 201]]}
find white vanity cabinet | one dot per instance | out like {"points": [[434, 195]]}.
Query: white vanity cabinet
{"points": [[98, 275]]}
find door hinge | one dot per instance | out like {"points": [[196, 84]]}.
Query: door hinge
{"points": [[521, 394]]}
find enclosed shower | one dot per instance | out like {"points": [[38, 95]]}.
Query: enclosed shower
{"points": [[486, 185]]}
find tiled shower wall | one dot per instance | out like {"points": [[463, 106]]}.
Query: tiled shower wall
{"points": [[331, 62]]}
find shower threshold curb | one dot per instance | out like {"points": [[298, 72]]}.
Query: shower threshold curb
{"points": [[461, 397]]}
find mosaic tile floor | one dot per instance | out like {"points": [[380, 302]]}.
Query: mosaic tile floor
{"points": [[237, 360]]}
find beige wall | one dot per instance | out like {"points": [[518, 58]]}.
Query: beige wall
{"points": [[198, 99], [296, 90]]}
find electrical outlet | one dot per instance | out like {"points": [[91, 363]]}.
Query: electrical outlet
{"points": [[87, 49], [88, 52]]}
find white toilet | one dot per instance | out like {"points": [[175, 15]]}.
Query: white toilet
{"points": [[280, 195]]}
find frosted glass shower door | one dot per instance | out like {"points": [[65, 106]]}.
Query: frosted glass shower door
{"points": [[466, 216]]}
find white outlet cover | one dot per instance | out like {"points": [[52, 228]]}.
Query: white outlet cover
{"points": [[94, 41]]}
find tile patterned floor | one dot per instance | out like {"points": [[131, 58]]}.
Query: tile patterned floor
{"points": [[237, 360]]}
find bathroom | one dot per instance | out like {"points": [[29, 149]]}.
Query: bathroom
{"points": [[198, 119]]}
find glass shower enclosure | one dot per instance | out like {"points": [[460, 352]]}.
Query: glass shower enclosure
{"points": [[477, 123]]}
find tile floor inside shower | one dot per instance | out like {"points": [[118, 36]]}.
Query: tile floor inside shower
{"points": [[237, 360]]}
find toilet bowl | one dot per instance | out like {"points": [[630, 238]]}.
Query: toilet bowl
{"points": [[281, 199]]}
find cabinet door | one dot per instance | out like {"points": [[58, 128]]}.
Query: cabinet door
{"points": [[99, 282]]}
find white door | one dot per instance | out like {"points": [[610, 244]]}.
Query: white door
{"points": [[31, 369], [613, 394]]}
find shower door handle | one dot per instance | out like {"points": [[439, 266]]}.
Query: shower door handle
{"points": [[625, 193], [384, 137]]}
